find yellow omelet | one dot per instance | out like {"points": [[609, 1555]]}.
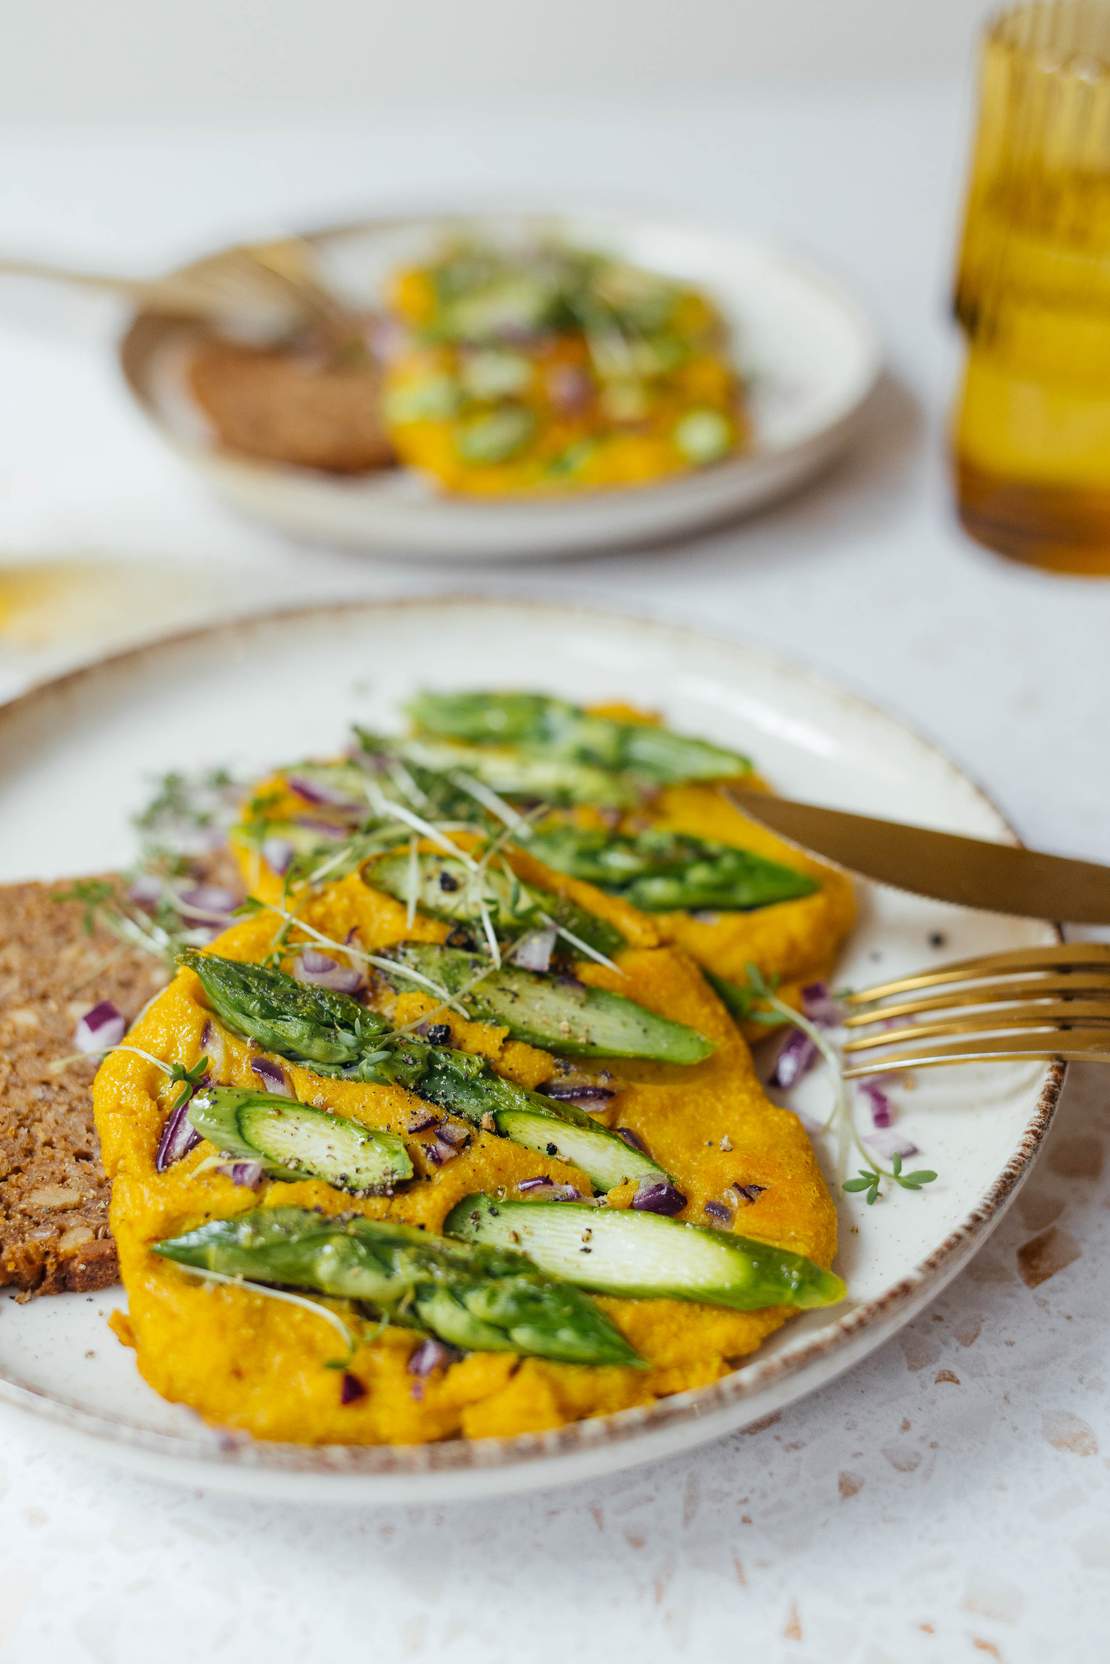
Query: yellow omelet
{"points": [[250, 1362], [555, 370]]}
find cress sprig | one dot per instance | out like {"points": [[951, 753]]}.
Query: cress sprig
{"points": [[870, 1177]]}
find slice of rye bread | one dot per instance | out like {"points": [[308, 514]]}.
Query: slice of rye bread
{"points": [[53, 1193]]}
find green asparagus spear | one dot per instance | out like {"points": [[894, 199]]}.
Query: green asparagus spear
{"points": [[434, 778], [314, 1032], [742, 1001], [283, 1015], [447, 889], [307, 842], [483, 1299], [402, 773], [522, 772], [662, 871], [296, 1141], [562, 729], [643, 1255], [559, 1014], [465, 1085]]}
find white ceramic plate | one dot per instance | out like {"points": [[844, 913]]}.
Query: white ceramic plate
{"points": [[812, 356], [75, 759]]}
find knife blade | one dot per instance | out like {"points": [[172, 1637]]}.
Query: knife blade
{"points": [[997, 878]]}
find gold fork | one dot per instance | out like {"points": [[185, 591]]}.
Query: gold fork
{"points": [[1047, 1002]]}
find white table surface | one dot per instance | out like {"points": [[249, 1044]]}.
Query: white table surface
{"points": [[948, 1500]]}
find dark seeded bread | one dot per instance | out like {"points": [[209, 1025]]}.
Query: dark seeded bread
{"points": [[53, 1194]]}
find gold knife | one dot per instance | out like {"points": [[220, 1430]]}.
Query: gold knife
{"points": [[998, 878]]}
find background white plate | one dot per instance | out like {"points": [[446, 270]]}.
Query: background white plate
{"points": [[76, 757], [810, 352]]}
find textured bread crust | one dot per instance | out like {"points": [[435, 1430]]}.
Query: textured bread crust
{"points": [[289, 407], [53, 1193]]}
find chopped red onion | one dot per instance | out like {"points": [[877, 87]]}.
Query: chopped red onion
{"points": [[248, 1174], [658, 1196], [278, 854], [452, 1134], [351, 1389], [533, 952], [747, 1192], [146, 890], [888, 1142], [882, 1113], [212, 1047], [211, 840], [717, 1210], [820, 1007], [179, 1136], [431, 1354], [422, 1121], [101, 1028], [323, 828], [440, 1151], [796, 1057], [272, 1076], [388, 338], [632, 1139], [552, 1192], [323, 971], [583, 1094], [330, 797], [196, 842], [570, 388], [209, 898]]}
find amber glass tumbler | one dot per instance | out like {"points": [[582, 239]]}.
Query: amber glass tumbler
{"points": [[1031, 439]]}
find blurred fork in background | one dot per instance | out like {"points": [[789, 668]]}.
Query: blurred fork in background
{"points": [[265, 289]]}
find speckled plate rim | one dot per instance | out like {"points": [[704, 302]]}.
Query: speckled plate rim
{"points": [[457, 1469]]}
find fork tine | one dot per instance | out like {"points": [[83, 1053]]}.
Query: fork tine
{"points": [[1074, 1046], [982, 993], [1077, 955], [1050, 1015]]}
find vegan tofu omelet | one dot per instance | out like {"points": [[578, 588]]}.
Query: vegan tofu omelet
{"points": [[440, 1139], [246, 1361], [551, 369]]}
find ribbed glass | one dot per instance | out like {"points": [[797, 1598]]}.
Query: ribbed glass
{"points": [[1033, 289]]}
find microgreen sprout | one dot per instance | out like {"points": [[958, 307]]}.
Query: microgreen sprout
{"points": [[870, 1179], [159, 932], [253, 904]]}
